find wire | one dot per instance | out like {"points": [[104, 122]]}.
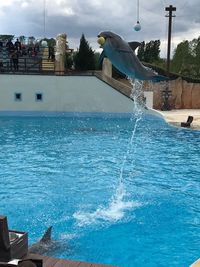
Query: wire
{"points": [[44, 14], [184, 5], [163, 4], [173, 46], [165, 40], [137, 10], [180, 8]]}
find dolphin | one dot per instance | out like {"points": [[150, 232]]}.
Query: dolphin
{"points": [[122, 56], [44, 244]]}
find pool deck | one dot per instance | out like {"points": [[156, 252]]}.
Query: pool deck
{"points": [[55, 262], [175, 117], [196, 263]]}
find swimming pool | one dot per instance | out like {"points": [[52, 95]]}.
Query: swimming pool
{"points": [[66, 172]]}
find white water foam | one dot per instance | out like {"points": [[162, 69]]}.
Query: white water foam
{"points": [[112, 213], [67, 236], [138, 107], [117, 206]]}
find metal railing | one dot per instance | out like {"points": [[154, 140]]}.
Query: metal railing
{"points": [[23, 65]]}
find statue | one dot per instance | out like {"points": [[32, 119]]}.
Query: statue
{"points": [[60, 53]]}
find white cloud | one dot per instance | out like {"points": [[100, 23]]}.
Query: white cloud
{"points": [[91, 16], [6, 3]]}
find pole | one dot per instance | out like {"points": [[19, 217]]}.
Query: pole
{"points": [[170, 9], [166, 92]]}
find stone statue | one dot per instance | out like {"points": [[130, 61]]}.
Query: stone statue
{"points": [[60, 53]]}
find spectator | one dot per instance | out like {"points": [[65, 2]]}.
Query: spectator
{"points": [[1, 45], [23, 50], [1, 66], [15, 59], [18, 45], [51, 53], [30, 51], [10, 46], [37, 48]]}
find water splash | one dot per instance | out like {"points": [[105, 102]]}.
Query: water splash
{"points": [[117, 206], [138, 108], [112, 213]]}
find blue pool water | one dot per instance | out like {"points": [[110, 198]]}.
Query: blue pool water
{"points": [[111, 197]]}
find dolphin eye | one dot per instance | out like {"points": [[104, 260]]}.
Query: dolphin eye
{"points": [[101, 36]]}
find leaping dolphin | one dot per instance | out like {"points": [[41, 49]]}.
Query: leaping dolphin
{"points": [[122, 55], [44, 244]]}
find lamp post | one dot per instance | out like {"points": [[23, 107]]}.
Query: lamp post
{"points": [[167, 92]]}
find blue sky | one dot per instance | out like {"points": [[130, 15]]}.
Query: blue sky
{"points": [[74, 17]]}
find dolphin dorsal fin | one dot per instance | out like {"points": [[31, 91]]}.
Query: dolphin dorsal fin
{"points": [[134, 45], [47, 235]]}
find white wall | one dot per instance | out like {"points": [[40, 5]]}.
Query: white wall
{"points": [[61, 94], [149, 98]]}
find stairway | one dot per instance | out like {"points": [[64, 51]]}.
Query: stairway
{"points": [[47, 64]]}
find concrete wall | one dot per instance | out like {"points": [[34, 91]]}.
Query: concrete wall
{"points": [[61, 94], [185, 95]]}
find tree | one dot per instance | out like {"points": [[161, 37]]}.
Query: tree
{"points": [[182, 59], [149, 52], [152, 51], [196, 51], [31, 40], [50, 41], [98, 65], [22, 39], [68, 61], [141, 51], [84, 58], [6, 37]]}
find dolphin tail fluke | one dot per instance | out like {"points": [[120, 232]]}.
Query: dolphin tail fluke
{"points": [[47, 235], [159, 78]]}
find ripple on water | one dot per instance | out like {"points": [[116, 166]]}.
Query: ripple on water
{"points": [[65, 172]]}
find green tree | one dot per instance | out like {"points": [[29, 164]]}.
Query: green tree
{"points": [[156, 50], [141, 51], [51, 42], [152, 51], [6, 37], [149, 52], [68, 61], [182, 59], [84, 59], [196, 54], [22, 39], [98, 65], [31, 40]]}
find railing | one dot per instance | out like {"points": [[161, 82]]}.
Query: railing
{"points": [[24, 65]]}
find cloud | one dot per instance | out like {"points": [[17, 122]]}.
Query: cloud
{"points": [[92, 16]]}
